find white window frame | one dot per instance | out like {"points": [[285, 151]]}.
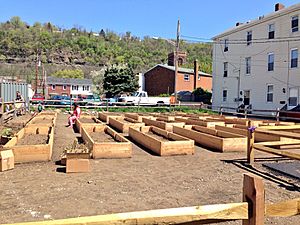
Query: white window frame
{"points": [[248, 65], [291, 54], [249, 33], [226, 45], [224, 98], [186, 77], [74, 87], [294, 29], [53, 86], [199, 76], [64, 87], [270, 62], [271, 30], [225, 69], [270, 93]]}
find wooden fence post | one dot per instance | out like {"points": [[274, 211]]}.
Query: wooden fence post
{"points": [[250, 142], [15, 109], [254, 194], [277, 114]]}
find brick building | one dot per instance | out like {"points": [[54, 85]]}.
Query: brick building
{"points": [[160, 79], [69, 87]]}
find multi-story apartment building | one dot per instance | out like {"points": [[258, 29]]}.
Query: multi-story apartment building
{"points": [[256, 63]]}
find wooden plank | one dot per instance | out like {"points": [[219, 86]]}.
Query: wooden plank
{"points": [[254, 194], [280, 143], [283, 127], [280, 133], [232, 211], [277, 152], [283, 209], [123, 125]]}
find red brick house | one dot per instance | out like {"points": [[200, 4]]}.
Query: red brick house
{"points": [[160, 79]]}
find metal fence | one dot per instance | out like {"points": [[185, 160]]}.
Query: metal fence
{"points": [[8, 91]]}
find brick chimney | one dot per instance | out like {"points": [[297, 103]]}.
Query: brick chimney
{"points": [[196, 71], [279, 6]]}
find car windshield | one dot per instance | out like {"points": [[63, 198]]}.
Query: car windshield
{"points": [[136, 94]]}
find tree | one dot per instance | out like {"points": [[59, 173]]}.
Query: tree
{"points": [[118, 79], [69, 74], [202, 95]]}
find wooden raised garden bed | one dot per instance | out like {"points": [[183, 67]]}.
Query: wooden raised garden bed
{"points": [[122, 124], [199, 122], [104, 142], [32, 144], [168, 126], [87, 121], [138, 117], [211, 138], [105, 116], [162, 142]]}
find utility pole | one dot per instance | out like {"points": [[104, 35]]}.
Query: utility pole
{"points": [[36, 73], [176, 58]]}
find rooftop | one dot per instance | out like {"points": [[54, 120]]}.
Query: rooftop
{"points": [[58, 80], [260, 19]]}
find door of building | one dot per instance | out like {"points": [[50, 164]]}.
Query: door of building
{"points": [[293, 98], [246, 97]]}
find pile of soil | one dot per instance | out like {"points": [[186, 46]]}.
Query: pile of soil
{"points": [[33, 139], [101, 137]]}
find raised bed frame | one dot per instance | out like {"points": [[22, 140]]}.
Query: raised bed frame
{"points": [[79, 125], [122, 148], [180, 145], [168, 126], [123, 124], [199, 122], [211, 138], [138, 117], [105, 116], [32, 153]]}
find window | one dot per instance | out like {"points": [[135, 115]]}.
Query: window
{"points": [[249, 37], [294, 58], [85, 88], [271, 31], [74, 87], [199, 77], [293, 96], [186, 77], [64, 87], [225, 74], [271, 62], [248, 65], [226, 45], [270, 93], [53, 86], [224, 95], [294, 24], [247, 97]]}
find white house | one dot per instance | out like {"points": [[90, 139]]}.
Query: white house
{"points": [[256, 63]]}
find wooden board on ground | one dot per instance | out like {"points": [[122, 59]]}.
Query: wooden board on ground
{"points": [[168, 126], [104, 142], [162, 142], [215, 139], [122, 124]]}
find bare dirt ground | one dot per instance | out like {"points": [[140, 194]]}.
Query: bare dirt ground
{"points": [[87, 120], [35, 191]]}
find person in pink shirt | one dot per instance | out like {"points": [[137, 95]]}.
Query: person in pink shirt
{"points": [[74, 116]]}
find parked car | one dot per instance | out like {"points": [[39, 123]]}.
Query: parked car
{"points": [[59, 100], [92, 100], [142, 98], [37, 98]]}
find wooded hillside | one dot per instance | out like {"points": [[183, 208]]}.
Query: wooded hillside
{"points": [[60, 48]]}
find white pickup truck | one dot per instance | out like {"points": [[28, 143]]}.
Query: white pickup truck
{"points": [[142, 98]]}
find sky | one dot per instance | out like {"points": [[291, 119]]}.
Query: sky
{"points": [[198, 18]]}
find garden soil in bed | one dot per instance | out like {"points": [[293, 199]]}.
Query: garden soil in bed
{"points": [[101, 137], [33, 139], [159, 137], [41, 121], [87, 120]]}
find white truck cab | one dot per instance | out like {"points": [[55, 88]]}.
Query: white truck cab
{"points": [[142, 98]]}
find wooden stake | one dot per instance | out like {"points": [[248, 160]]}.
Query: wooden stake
{"points": [[250, 143], [254, 194]]}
